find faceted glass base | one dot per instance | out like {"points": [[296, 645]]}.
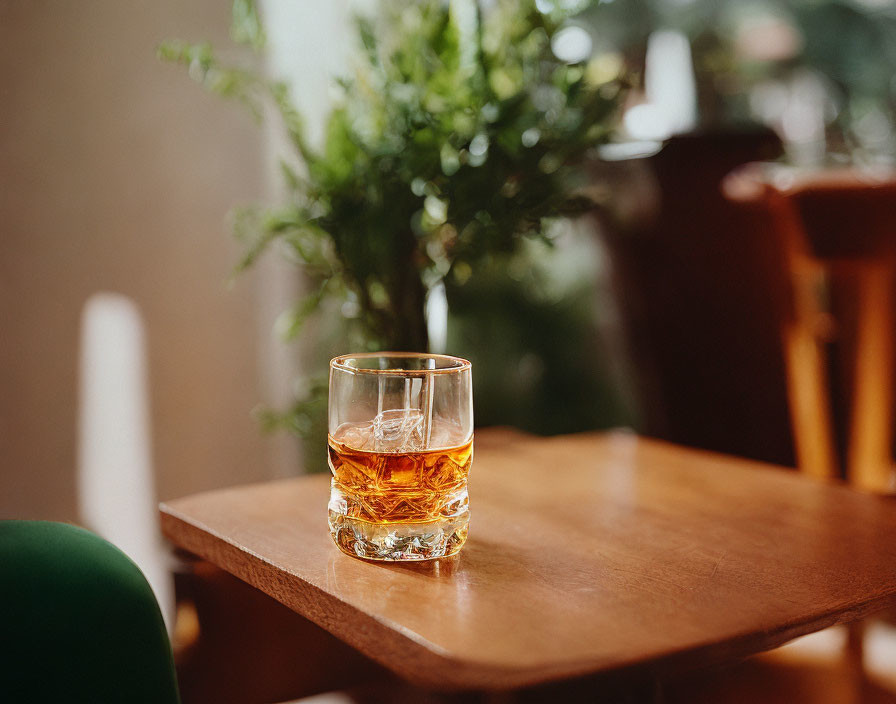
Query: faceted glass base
{"points": [[399, 541]]}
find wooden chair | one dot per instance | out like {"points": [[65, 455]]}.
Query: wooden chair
{"points": [[837, 233]]}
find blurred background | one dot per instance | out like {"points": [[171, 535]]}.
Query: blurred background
{"points": [[667, 304], [120, 176]]}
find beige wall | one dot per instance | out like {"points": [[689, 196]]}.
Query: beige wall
{"points": [[116, 173]]}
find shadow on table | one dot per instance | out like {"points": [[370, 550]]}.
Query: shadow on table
{"points": [[765, 679], [487, 555]]}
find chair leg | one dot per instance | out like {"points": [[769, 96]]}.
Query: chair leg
{"points": [[869, 457], [855, 654], [808, 391]]}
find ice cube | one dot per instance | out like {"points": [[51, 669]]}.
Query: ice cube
{"points": [[446, 433], [358, 436], [399, 430]]}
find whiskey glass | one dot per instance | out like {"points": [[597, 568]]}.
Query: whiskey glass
{"points": [[400, 447]]}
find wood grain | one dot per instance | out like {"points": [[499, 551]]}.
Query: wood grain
{"points": [[587, 554]]}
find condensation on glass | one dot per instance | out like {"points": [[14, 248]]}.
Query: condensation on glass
{"points": [[400, 448]]}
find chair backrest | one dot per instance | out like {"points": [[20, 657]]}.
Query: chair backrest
{"points": [[80, 622], [844, 213], [847, 214]]}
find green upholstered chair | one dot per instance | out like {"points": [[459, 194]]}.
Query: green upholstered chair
{"points": [[79, 622]]}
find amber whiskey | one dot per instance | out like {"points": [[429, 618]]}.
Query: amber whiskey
{"points": [[399, 505]]}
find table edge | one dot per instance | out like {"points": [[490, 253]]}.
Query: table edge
{"points": [[390, 644]]}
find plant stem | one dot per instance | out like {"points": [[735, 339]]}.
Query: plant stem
{"points": [[409, 331]]}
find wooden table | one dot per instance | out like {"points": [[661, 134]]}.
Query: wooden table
{"points": [[593, 553]]}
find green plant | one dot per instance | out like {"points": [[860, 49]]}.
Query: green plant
{"points": [[459, 135]]}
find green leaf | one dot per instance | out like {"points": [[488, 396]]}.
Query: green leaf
{"points": [[292, 119], [290, 321], [246, 27], [249, 229], [301, 416], [204, 68]]}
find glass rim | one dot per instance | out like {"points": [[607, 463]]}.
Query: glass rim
{"points": [[457, 364]]}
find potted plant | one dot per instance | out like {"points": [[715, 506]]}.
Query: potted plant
{"points": [[460, 135]]}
